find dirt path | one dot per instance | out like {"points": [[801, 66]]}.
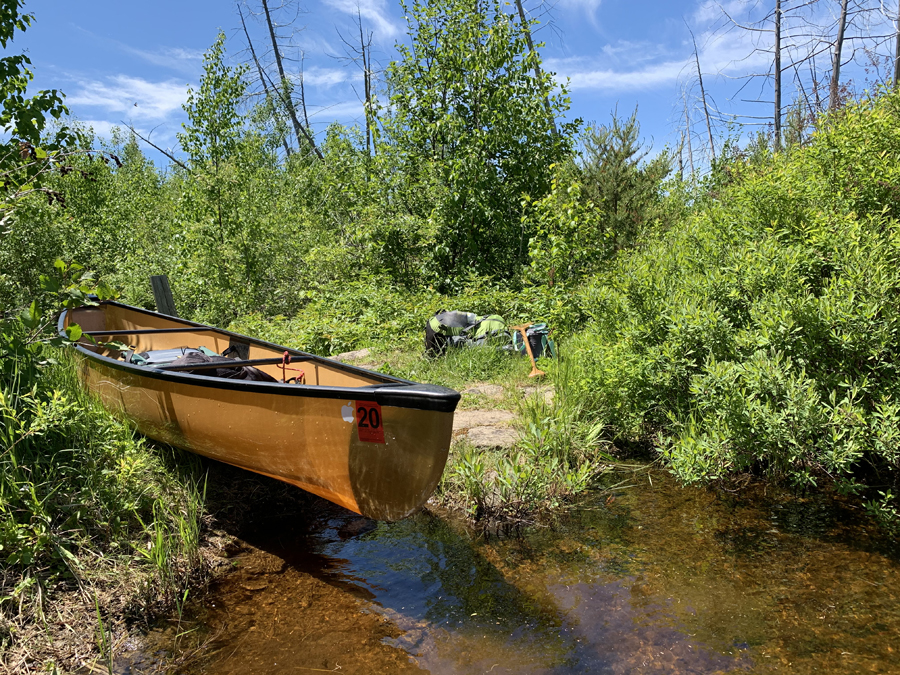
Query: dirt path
{"points": [[489, 425]]}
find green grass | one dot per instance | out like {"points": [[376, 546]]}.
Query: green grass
{"points": [[457, 368], [559, 454], [82, 499]]}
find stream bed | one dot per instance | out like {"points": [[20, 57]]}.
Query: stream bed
{"points": [[653, 579]]}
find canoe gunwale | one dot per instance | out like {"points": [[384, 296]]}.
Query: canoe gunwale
{"points": [[395, 392]]}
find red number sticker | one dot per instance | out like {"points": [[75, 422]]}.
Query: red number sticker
{"points": [[368, 422]]}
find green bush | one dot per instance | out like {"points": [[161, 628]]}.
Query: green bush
{"points": [[559, 455], [762, 332], [370, 311]]}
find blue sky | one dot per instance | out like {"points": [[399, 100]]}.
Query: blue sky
{"points": [[132, 62]]}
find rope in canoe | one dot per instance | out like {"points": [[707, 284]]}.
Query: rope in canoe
{"points": [[285, 362]]}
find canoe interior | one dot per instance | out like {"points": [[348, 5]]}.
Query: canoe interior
{"points": [[112, 317]]}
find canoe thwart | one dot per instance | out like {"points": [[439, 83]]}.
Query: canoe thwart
{"points": [[231, 364]]}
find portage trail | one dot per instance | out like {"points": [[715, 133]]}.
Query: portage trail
{"points": [[491, 427], [482, 418]]}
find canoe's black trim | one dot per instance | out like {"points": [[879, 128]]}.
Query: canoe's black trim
{"points": [[411, 397], [234, 363], [394, 391], [146, 331]]}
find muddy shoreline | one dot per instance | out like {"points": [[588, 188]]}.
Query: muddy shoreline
{"points": [[137, 626]]}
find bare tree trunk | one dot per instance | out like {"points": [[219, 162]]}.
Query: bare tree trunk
{"points": [[303, 92], [836, 63], [687, 125], [897, 51], [262, 78], [537, 68], [288, 102], [363, 54], [367, 90], [712, 147], [799, 81], [816, 85], [365, 49], [777, 75]]}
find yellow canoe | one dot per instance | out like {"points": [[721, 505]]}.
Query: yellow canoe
{"points": [[372, 443]]}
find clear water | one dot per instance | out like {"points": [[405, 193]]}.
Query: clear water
{"points": [[661, 579]]}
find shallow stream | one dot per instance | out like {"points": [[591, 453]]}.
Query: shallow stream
{"points": [[658, 579]]}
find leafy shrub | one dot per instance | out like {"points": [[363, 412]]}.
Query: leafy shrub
{"points": [[558, 456], [342, 315], [761, 333], [620, 179]]}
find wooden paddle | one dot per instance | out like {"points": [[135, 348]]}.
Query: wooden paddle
{"points": [[534, 369]]}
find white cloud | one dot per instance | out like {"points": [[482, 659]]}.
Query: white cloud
{"points": [[316, 43], [345, 110], [631, 66], [710, 11], [99, 127], [132, 97], [589, 6], [733, 53], [324, 77], [609, 80], [188, 61], [159, 135], [179, 59], [373, 11]]}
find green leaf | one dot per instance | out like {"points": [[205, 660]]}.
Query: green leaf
{"points": [[31, 317], [50, 284]]}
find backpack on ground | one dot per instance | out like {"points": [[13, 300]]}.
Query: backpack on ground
{"points": [[538, 338], [462, 329]]}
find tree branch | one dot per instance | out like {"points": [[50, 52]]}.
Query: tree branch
{"points": [[153, 145]]}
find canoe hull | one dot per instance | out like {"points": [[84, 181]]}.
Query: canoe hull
{"points": [[310, 441]]}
